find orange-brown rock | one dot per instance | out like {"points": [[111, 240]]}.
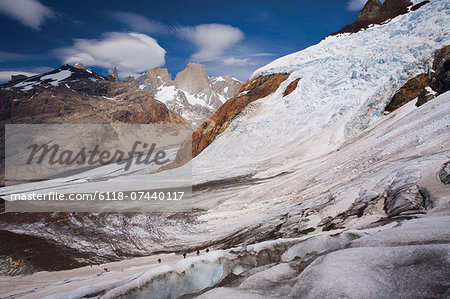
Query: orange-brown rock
{"points": [[252, 90], [291, 87], [411, 90], [375, 12]]}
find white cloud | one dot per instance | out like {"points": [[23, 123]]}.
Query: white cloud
{"points": [[235, 61], [139, 23], [31, 13], [211, 39], [5, 76], [131, 53]]}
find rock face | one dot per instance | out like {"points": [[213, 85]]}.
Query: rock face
{"points": [[77, 95], [425, 87], [374, 12], [204, 135], [291, 87], [411, 90], [115, 74], [404, 196], [192, 94], [444, 173], [441, 66], [192, 79]]}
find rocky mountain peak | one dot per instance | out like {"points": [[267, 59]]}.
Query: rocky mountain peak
{"points": [[372, 10], [79, 66], [115, 74], [192, 94], [159, 75], [193, 78], [375, 12]]}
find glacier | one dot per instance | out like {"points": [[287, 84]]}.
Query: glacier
{"points": [[318, 163]]}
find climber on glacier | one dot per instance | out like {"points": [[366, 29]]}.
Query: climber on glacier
{"points": [[184, 254]]}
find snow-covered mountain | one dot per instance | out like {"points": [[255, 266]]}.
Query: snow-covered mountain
{"points": [[192, 94], [343, 85], [77, 95], [304, 185], [74, 94]]}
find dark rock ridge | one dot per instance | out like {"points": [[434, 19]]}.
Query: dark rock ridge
{"points": [[374, 12], [76, 94], [204, 135], [425, 87], [444, 173], [291, 87], [408, 92]]}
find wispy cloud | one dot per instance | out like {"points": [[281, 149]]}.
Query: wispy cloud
{"points": [[211, 39], [131, 53], [30, 13], [262, 54], [218, 46], [235, 61], [139, 23]]}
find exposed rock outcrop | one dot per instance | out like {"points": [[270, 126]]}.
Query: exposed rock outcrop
{"points": [[17, 78], [254, 89], [115, 74], [192, 79], [291, 87], [374, 12], [424, 97], [425, 87], [411, 90], [441, 65], [444, 173], [80, 66]]}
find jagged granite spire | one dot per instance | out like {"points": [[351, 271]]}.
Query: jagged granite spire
{"points": [[115, 75]]}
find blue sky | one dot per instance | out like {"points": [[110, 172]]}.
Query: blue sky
{"points": [[228, 37]]}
